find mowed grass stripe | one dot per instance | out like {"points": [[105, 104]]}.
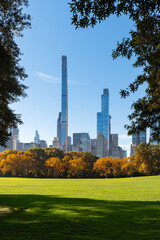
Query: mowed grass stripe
{"points": [[97, 209]]}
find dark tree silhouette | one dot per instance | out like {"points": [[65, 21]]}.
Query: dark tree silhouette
{"points": [[12, 22]]}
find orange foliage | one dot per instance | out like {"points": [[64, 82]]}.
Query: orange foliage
{"points": [[103, 166], [76, 167], [55, 167], [128, 168], [17, 165]]}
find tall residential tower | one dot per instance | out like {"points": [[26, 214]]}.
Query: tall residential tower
{"points": [[103, 116], [62, 123]]}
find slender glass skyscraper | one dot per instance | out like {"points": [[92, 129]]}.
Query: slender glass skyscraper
{"points": [[62, 123], [103, 116], [36, 138]]}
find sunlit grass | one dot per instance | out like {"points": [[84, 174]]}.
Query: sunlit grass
{"points": [[97, 209]]}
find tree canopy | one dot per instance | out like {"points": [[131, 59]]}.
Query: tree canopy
{"points": [[12, 22], [143, 43], [41, 163]]}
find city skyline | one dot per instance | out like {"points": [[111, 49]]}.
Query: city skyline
{"points": [[91, 69]]}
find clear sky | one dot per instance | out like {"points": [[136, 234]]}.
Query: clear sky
{"points": [[90, 70]]}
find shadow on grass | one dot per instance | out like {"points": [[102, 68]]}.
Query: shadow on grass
{"points": [[51, 217]]}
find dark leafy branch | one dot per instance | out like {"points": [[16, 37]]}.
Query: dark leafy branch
{"points": [[143, 43], [12, 22]]}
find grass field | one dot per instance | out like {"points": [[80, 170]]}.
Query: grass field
{"points": [[85, 209]]}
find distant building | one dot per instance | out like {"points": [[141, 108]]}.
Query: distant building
{"points": [[113, 143], [85, 142], [13, 140], [109, 133], [64, 147], [15, 143], [36, 138], [101, 146], [139, 138], [76, 138], [81, 142], [132, 148], [20, 146], [30, 145], [69, 144], [103, 119], [142, 137], [117, 152], [59, 128], [136, 140], [69, 140], [124, 153], [114, 140], [15, 133], [76, 148], [93, 146], [62, 122], [42, 144], [55, 143]]}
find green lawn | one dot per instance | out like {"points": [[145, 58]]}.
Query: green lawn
{"points": [[80, 209]]}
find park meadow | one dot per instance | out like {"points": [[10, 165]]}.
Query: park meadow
{"points": [[97, 209]]}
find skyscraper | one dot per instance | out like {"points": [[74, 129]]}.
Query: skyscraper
{"points": [[93, 143], [15, 133], [36, 138], [101, 146], [139, 138], [136, 140], [76, 138], [15, 137], [59, 128], [85, 142], [55, 142], [103, 116], [62, 123]]}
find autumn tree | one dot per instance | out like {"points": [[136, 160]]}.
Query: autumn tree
{"points": [[17, 165], [4, 154], [40, 156], [12, 22], [65, 162], [27, 165], [128, 168], [117, 167], [55, 167], [156, 155], [76, 167], [103, 167], [10, 166], [54, 152], [89, 159], [143, 43], [147, 158]]}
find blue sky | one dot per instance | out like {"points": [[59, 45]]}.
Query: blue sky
{"points": [[90, 70]]}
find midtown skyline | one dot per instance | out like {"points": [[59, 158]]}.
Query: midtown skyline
{"points": [[62, 121], [104, 144], [91, 69]]}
